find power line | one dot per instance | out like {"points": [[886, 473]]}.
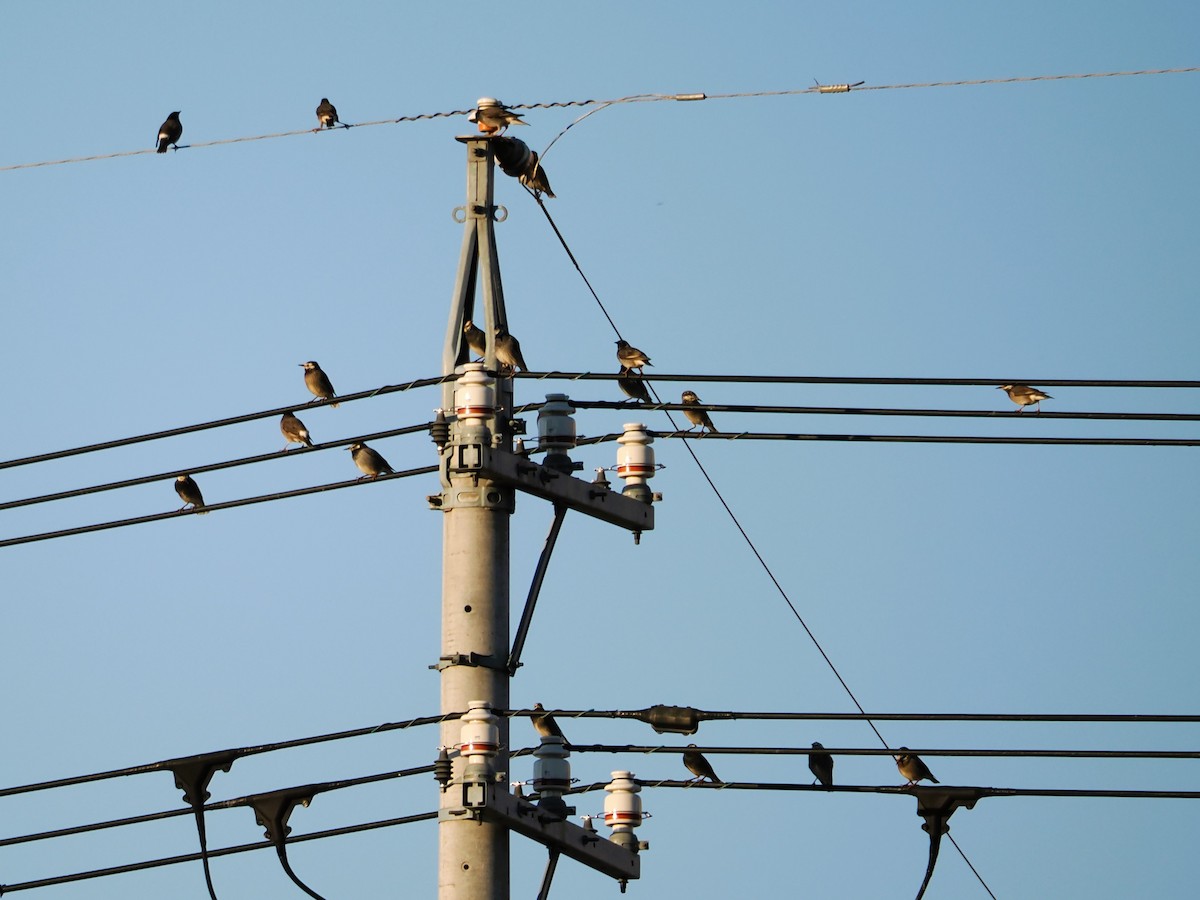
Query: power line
{"points": [[211, 467], [636, 98], [870, 380], [925, 439], [228, 504], [220, 423], [651, 749], [224, 851]]}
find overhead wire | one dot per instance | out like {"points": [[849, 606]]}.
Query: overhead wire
{"points": [[634, 98]]}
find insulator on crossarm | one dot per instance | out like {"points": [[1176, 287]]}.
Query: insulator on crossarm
{"points": [[635, 461], [623, 810], [556, 432]]}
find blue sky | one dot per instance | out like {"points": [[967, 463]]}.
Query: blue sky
{"points": [[1042, 230]]}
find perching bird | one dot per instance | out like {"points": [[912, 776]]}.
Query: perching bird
{"points": [[476, 340], [491, 116], [190, 494], [535, 178], [631, 357], [170, 132], [697, 416], [912, 768], [546, 726], [327, 113], [820, 764], [369, 461], [633, 386], [508, 351], [699, 766], [318, 382], [1023, 395], [293, 429]]}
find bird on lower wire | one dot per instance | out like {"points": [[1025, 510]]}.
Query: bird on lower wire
{"points": [[169, 133], [913, 768], [697, 416], [633, 386], [327, 113], [189, 493], [318, 382], [699, 766], [508, 352], [546, 726], [1023, 395], [631, 357], [295, 432], [820, 764], [369, 462], [476, 339]]}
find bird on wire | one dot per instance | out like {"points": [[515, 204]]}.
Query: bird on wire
{"points": [[696, 416], [369, 462], [820, 764], [295, 432], [189, 493], [493, 117], [327, 114], [631, 357], [913, 768], [516, 159], [476, 339], [508, 352], [699, 766], [546, 726], [169, 133], [633, 386], [318, 382], [1023, 395]]}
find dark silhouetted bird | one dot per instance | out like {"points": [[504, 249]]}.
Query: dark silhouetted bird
{"points": [[508, 351], [318, 382], [631, 357], [190, 494], [369, 461], [912, 768], [696, 416], [1023, 395], [546, 726], [820, 764], [633, 386], [327, 113], [293, 429], [492, 117], [476, 339], [170, 132], [535, 177], [699, 766]]}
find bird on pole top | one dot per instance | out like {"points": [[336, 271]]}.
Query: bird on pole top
{"points": [[493, 117]]}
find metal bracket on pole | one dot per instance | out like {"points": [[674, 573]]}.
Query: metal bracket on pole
{"points": [[470, 659], [539, 575]]}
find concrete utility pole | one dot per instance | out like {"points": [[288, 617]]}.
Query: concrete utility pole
{"points": [[480, 476]]}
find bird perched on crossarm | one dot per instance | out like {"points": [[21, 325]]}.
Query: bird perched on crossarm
{"points": [[189, 493], [318, 382], [476, 339], [508, 352], [696, 416], [369, 462], [546, 726], [699, 766], [912, 768], [633, 386], [1023, 395], [631, 357], [493, 117], [169, 133], [295, 432], [327, 113], [820, 764]]}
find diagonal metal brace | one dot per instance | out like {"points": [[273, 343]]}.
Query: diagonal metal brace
{"points": [[535, 589]]}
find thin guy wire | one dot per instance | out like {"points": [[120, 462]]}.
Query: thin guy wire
{"points": [[638, 98]]}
